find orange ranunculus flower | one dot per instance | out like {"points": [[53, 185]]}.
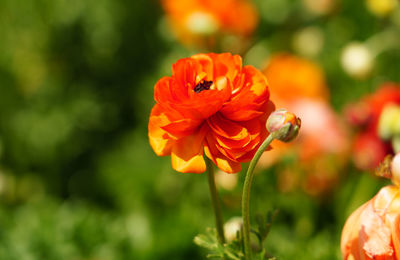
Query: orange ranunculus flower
{"points": [[373, 230], [213, 102], [195, 20]]}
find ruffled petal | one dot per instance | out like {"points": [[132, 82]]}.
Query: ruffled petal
{"points": [[227, 65], [349, 239], [187, 153], [375, 236], [240, 140], [182, 127], [383, 201], [393, 220], [184, 72], [206, 65], [160, 140], [258, 133], [227, 128], [222, 162], [248, 100], [206, 103]]}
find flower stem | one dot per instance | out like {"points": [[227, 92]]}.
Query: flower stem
{"points": [[246, 195], [215, 202]]}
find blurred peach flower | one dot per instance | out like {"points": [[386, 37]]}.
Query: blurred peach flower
{"points": [[198, 22], [368, 148], [322, 145], [214, 103], [373, 230]]}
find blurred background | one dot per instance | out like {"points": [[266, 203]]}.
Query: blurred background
{"points": [[78, 178]]}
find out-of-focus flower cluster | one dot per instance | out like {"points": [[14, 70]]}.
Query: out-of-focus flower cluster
{"points": [[321, 149], [369, 146]]}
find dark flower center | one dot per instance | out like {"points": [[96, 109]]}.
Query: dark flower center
{"points": [[203, 85]]}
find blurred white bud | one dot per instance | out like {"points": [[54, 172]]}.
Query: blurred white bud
{"points": [[202, 23], [381, 7], [357, 60], [308, 41], [231, 227]]}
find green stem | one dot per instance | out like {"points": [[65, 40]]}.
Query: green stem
{"points": [[215, 202], [246, 196]]}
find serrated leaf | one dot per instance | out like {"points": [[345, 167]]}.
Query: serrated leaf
{"points": [[204, 241]]}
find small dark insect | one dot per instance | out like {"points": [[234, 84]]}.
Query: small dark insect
{"points": [[203, 85]]}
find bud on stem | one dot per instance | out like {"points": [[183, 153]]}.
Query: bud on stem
{"points": [[283, 125]]}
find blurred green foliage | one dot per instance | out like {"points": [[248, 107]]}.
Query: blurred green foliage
{"points": [[78, 179]]}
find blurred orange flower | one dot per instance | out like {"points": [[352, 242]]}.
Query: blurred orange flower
{"points": [[291, 78], [368, 148], [321, 148], [373, 230], [210, 101], [195, 20]]}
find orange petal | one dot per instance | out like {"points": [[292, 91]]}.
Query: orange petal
{"points": [[202, 105], [208, 102], [187, 153], [385, 197], [222, 162], [227, 65], [206, 65], [349, 239], [248, 100], [182, 127], [227, 128], [237, 140], [183, 72], [393, 221], [160, 140], [375, 236]]}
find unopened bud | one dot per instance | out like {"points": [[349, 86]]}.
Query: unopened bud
{"points": [[357, 60], [283, 125], [232, 227]]}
